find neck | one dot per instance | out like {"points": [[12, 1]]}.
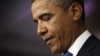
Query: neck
{"points": [[78, 30]]}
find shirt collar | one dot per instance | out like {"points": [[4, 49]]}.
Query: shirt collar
{"points": [[76, 46]]}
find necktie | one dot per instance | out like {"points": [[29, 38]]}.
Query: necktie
{"points": [[68, 54]]}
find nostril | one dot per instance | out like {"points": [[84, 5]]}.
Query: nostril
{"points": [[42, 29], [42, 32]]}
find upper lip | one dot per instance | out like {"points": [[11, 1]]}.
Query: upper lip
{"points": [[47, 38]]}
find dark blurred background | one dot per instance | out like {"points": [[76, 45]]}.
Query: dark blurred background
{"points": [[18, 31]]}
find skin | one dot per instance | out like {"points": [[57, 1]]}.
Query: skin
{"points": [[57, 27]]}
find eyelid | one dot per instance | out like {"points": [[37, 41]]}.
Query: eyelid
{"points": [[47, 15]]}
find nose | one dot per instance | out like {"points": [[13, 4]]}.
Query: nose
{"points": [[42, 30]]}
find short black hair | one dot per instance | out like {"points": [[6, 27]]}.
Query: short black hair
{"points": [[65, 4]]}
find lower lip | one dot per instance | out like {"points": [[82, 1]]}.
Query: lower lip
{"points": [[49, 41]]}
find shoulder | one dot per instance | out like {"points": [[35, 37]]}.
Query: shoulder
{"points": [[96, 49], [91, 47]]}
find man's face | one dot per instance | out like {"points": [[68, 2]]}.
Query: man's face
{"points": [[54, 25]]}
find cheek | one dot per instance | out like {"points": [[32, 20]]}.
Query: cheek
{"points": [[54, 28], [57, 31]]}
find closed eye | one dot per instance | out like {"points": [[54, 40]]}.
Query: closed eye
{"points": [[46, 16]]}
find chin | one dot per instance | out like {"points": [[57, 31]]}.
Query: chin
{"points": [[55, 51]]}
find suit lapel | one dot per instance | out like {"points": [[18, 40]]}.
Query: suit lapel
{"points": [[89, 45]]}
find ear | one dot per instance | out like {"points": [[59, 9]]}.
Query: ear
{"points": [[76, 9]]}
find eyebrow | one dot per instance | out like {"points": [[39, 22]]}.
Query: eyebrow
{"points": [[40, 17]]}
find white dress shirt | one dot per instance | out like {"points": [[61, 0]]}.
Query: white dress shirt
{"points": [[79, 42]]}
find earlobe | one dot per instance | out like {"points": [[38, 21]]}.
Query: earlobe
{"points": [[76, 11]]}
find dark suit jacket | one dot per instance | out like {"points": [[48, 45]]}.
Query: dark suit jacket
{"points": [[91, 47]]}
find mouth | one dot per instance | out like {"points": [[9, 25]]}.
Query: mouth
{"points": [[49, 39]]}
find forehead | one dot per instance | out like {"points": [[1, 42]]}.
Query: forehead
{"points": [[40, 3], [39, 7], [43, 6]]}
